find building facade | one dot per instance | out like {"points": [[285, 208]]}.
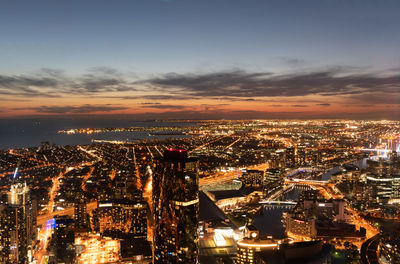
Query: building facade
{"points": [[16, 225], [123, 218], [384, 187], [273, 181], [80, 213], [175, 208], [251, 244], [253, 178]]}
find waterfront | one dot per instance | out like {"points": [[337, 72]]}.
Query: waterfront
{"points": [[22, 133], [56, 175], [270, 222], [361, 164]]}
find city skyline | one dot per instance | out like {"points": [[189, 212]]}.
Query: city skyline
{"points": [[244, 192], [199, 131], [200, 59]]}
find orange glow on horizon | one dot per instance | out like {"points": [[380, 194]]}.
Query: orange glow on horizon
{"points": [[285, 107]]}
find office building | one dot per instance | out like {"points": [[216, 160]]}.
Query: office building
{"points": [[16, 225], [122, 218], [80, 213], [273, 181], [175, 208], [253, 178], [384, 187]]}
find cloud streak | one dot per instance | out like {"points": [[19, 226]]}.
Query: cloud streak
{"points": [[54, 83], [163, 106], [83, 109], [341, 85], [238, 84]]}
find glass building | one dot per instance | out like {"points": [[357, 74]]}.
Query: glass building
{"points": [[16, 225], [175, 208]]}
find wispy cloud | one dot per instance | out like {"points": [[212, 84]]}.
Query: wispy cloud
{"points": [[237, 84], [377, 97], [149, 103], [55, 83], [161, 97], [82, 109], [163, 106]]}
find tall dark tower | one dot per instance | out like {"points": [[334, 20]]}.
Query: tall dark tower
{"points": [[16, 225], [175, 208]]}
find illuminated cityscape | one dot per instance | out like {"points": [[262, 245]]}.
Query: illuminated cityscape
{"points": [[200, 132], [233, 191]]}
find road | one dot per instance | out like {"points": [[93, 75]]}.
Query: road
{"points": [[86, 178], [41, 253], [207, 143], [224, 177], [53, 192], [220, 177], [369, 251], [45, 231], [42, 219]]}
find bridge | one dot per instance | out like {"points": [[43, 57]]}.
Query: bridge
{"points": [[377, 150], [306, 181], [109, 141], [305, 169], [277, 202]]}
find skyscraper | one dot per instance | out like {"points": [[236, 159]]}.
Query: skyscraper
{"points": [[80, 213], [175, 208], [17, 228]]}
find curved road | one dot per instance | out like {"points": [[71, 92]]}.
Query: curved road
{"points": [[369, 250]]}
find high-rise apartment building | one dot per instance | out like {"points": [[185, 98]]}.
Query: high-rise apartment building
{"points": [[16, 225], [175, 208], [80, 213], [123, 218]]}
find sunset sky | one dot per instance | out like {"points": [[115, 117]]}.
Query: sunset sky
{"points": [[200, 59]]}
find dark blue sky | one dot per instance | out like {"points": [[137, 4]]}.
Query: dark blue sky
{"points": [[208, 58], [154, 36]]}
